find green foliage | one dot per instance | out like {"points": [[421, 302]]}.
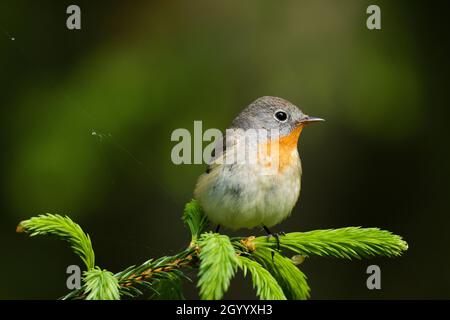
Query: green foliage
{"points": [[65, 228], [169, 288], [101, 285], [194, 218], [217, 258], [267, 287], [154, 274], [218, 264], [351, 242], [290, 278]]}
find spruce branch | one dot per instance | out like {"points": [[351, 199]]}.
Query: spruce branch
{"points": [[267, 287], [169, 288], [76, 294], [101, 285], [348, 243], [194, 218], [217, 257], [288, 275], [62, 227], [153, 272], [218, 263]]}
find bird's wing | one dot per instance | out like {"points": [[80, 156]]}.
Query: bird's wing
{"points": [[226, 148]]}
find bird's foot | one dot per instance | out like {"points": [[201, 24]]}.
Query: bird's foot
{"points": [[276, 235]]}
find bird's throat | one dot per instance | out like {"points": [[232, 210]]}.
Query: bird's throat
{"points": [[286, 145], [289, 142]]}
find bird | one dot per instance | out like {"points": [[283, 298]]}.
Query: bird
{"points": [[263, 192]]}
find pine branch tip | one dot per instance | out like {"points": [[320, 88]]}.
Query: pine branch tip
{"points": [[20, 228]]}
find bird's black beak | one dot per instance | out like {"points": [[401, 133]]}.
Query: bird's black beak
{"points": [[309, 119]]}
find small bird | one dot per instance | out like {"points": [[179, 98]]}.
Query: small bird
{"points": [[245, 194]]}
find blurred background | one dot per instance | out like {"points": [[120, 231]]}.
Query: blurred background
{"points": [[138, 70]]}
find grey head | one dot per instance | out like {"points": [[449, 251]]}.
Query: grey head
{"points": [[272, 113]]}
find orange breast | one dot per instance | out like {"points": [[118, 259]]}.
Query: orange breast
{"points": [[286, 146]]}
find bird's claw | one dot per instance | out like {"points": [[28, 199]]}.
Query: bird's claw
{"points": [[277, 237]]}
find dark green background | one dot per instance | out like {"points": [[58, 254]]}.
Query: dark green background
{"points": [[138, 70]]}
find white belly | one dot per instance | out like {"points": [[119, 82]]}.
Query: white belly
{"points": [[239, 196]]}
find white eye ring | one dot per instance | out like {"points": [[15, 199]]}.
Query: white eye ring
{"points": [[281, 116]]}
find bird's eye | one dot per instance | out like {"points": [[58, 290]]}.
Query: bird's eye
{"points": [[281, 116]]}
